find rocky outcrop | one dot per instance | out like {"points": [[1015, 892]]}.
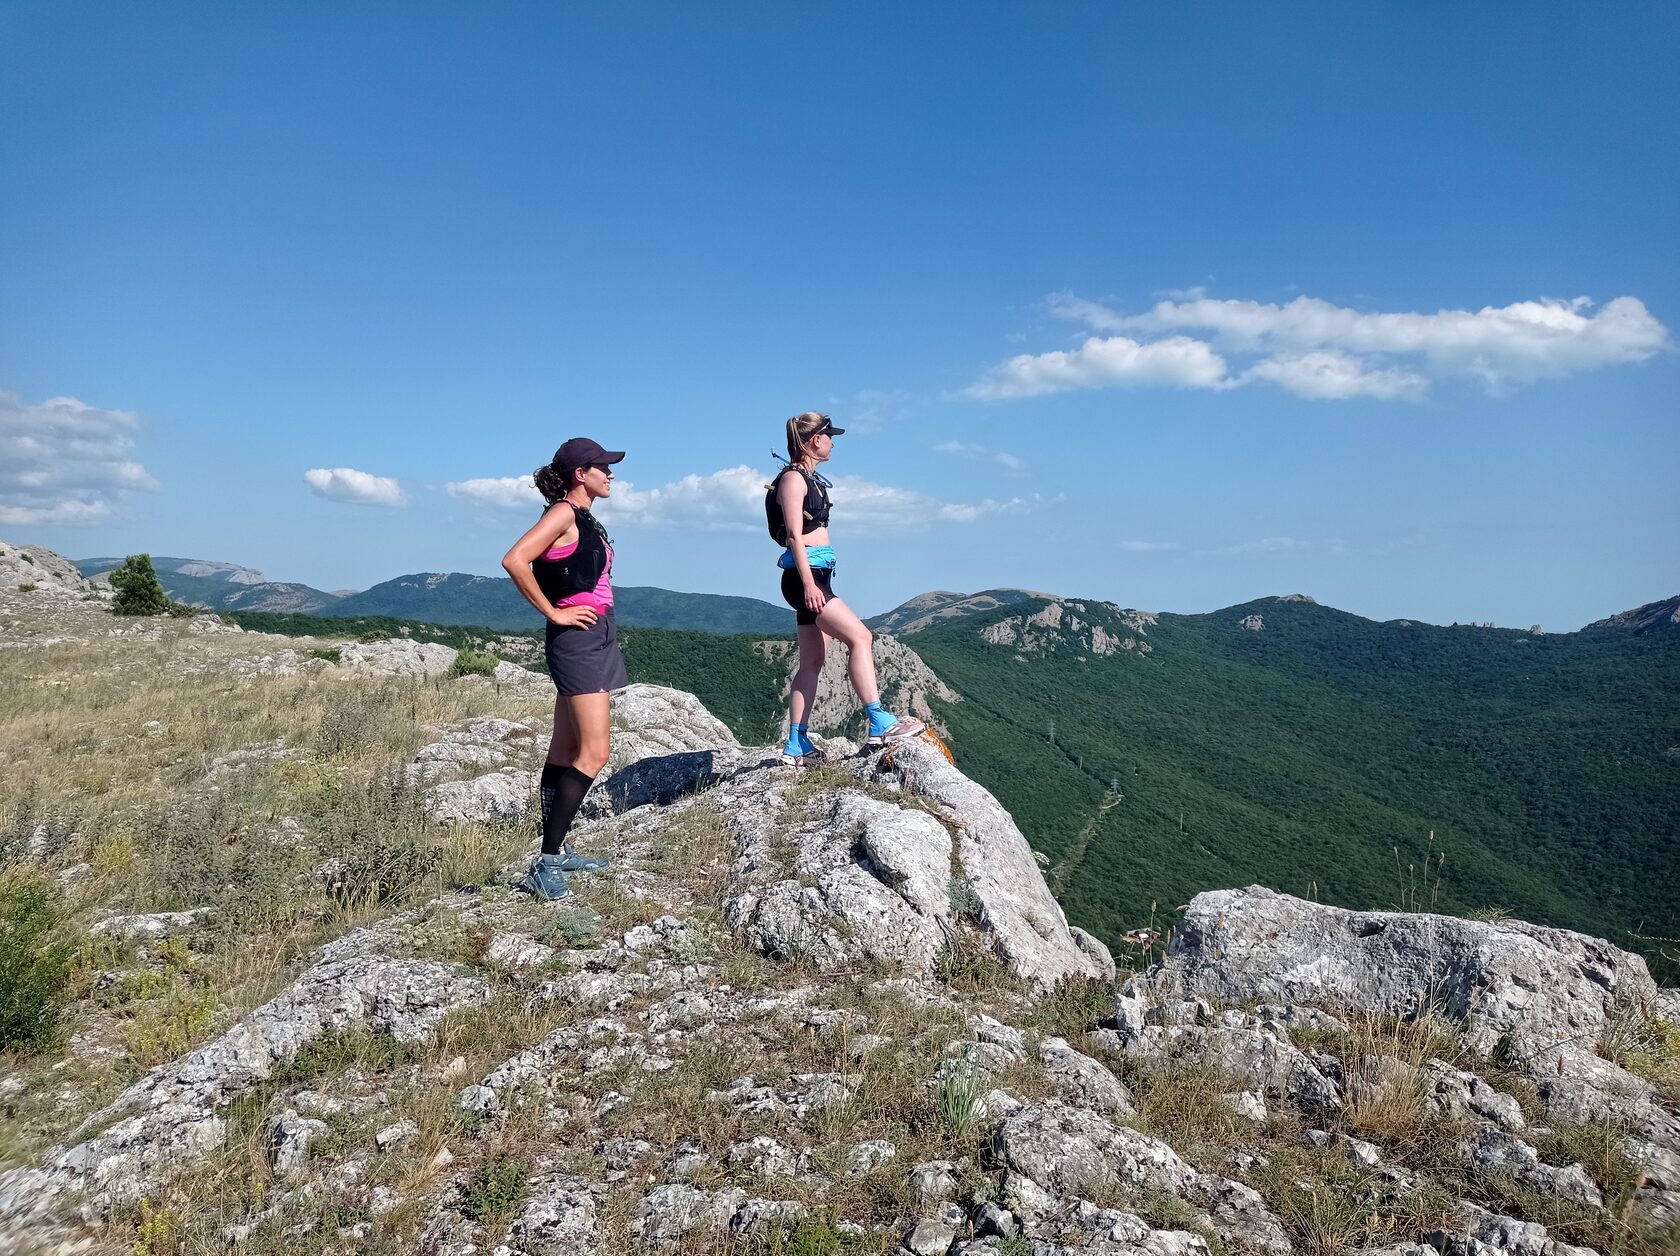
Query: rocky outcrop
{"points": [[1501, 977], [396, 657], [907, 684], [172, 1115], [51, 574], [1661, 616], [1539, 999], [1100, 628], [653, 1084], [889, 880]]}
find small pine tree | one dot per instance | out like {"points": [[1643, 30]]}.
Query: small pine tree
{"points": [[138, 590]]}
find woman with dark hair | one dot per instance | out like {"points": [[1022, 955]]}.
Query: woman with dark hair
{"points": [[807, 564], [563, 566]]}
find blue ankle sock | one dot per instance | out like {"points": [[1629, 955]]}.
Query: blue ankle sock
{"points": [[795, 740], [879, 721]]}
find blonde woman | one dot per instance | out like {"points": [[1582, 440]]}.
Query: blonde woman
{"points": [[563, 566], [798, 506]]}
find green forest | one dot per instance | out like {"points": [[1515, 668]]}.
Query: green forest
{"points": [[1318, 755]]}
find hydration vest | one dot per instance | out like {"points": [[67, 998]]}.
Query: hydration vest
{"points": [[815, 510]]}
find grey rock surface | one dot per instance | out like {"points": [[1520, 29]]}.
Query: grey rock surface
{"points": [[171, 1116], [1496, 977], [503, 797], [396, 657]]}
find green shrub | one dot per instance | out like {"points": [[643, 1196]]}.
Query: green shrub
{"points": [[34, 969], [373, 634], [27, 588], [469, 662], [138, 590], [332, 655], [180, 610], [495, 1190]]}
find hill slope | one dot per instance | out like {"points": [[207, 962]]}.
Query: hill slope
{"points": [[493, 602], [1290, 743]]}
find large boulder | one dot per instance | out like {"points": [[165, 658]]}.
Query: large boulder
{"points": [[1017, 909], [396, 657], [1498, 978]]}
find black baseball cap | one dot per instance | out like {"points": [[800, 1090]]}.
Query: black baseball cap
{"points": [[828, 426], [580, 451]]}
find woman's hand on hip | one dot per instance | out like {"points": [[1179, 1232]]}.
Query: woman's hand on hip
{"points": [[573, 617], [814, 599]]}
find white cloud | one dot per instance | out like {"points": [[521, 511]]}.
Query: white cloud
{"points": [[1149, 547], [345, 484], [981, 453], [1322, 351], [732, 500], [1112, 362], [1285, 545], [514, 492], [1330, 375], [727, 500], [63, 461]]}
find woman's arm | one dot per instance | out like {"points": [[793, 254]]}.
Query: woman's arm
{"points": [[558, 521], [790, 493]]}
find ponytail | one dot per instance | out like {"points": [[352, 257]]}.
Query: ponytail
{"points": [[800, 429]]}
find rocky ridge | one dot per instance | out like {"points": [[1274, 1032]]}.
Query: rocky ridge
{"points": [[838, 1007], [867, 877]]}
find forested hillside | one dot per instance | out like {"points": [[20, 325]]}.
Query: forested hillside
{"points": [[1317, 752]]}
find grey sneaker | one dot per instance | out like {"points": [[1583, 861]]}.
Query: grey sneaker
{"points": [[546, 880], [574, 860]]}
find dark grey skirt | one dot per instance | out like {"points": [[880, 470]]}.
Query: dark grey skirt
{"points": [[586, 660]]}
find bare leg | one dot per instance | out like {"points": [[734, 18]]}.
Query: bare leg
{"points": [[591, 717], [837, 619], [563, 745], [813, 650]]}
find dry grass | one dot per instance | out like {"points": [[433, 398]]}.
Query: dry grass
{"points": [[111, 775]]}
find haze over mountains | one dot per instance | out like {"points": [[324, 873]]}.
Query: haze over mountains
{"points": [[445, 598]]}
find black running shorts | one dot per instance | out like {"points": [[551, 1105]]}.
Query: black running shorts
{"points": [[793, 591]]}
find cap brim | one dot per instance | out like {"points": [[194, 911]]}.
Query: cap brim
{"points": [[835, 431], [613, 456]]}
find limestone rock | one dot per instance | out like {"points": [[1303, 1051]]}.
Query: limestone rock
{"points": [[171, 1116], [668, 1213], [503, 797], [396, 657], [1497, 977], [906, 685], [151, 927], [1083, 1081]]}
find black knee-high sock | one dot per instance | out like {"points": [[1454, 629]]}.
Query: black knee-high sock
{"points": [[548, 786], [568, 797]]}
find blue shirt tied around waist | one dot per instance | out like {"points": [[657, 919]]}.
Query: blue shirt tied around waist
{"points": [[816, 555]]}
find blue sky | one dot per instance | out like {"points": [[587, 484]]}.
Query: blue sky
{"points": [[1172, 305]]}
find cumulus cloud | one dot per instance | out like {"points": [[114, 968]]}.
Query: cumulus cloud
{"points": [[345, 484], [732, 500], [514, 492], [1334, 546], [981, 453], [1330, 375], [63, 461], [1106, 362], [1322, 351]]}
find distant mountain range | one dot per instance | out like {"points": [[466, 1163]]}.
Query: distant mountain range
{"points": [[446, 598]]}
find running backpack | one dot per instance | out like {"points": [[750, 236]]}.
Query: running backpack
{"points": [[773, 509]]}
